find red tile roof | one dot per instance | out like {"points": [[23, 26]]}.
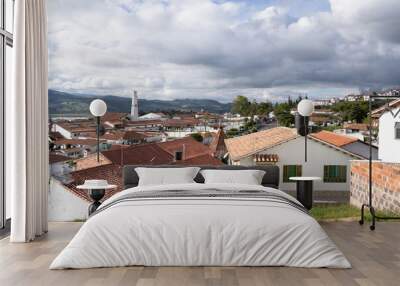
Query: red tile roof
{"points": [[246, 145], [111, 173], [192, 147], [114, 116], [202, 160], [124, 135], [76, 142], [143, 154], [90, 161], [333, 138], [56, 158], [55, 135], [218, 142]]}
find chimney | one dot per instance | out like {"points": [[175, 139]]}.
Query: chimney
{"points": [[135, 106]]}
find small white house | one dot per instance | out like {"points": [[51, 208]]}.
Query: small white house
{"points": [[389, 135], [329, 156]]}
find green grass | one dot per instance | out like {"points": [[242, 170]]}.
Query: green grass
{"points": [[334, 211], [341, 211]]}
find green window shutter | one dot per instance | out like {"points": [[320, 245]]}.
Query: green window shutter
{"points": [[335, 174], [291, 171]]}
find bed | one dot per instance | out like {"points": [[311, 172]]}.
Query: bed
{"points": [[198, 224]]}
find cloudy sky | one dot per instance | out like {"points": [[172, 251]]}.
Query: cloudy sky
{"points": [[265, 49]]}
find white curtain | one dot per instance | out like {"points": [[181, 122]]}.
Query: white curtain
{"points": [[27, 123]]}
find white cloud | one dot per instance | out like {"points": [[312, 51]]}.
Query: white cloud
{"points": [[201, 48]]}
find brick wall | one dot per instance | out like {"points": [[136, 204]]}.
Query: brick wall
{"points": [[385, 185]]}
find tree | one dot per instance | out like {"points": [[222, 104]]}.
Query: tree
{"points": [[358, 113], [283, 115], [264, 108], [241, 105], [352, 111]]}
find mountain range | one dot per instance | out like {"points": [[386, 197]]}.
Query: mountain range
{"points": [[63, 103]]}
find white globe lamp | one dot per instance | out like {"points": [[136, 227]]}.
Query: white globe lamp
{"points": [[305, 107], [98, 108]]}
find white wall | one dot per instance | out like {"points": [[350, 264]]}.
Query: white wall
{"points": [[389, 147], [65, 206], [292, 153], [65, 133]]}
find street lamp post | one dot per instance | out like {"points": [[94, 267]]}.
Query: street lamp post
{"points": [[305, 109], [98, 108]]}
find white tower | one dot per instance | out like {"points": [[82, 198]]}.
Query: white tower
{"points": [[135, 106]]}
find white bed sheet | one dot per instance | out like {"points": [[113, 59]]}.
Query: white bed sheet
{"points": [[200, 232]]}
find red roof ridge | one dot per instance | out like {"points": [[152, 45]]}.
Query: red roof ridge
{"points": [[332, 138]]}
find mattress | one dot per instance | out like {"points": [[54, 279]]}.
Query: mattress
{"points": [[201, 225]]}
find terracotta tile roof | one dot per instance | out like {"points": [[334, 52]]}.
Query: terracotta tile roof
{"points": [[76, 142], [118, 147], [185, 122], [111, 173], [333, 138], [55, 135], [157, 122], [90, 161], [143, 154], [218, 142], [202, 160], [78, 125], [243, 146], [56, 158], [192, 148], [124, 135], [114, 116], [356, 126]]}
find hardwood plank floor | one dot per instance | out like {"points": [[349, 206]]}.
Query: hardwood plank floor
{"points": [[375, 257]]}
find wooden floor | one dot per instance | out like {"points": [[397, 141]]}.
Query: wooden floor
{"points": [[375, 257]]}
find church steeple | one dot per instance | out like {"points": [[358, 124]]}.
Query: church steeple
{"points": [[135, 106]]}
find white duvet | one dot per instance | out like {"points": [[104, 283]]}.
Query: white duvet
{"points": [[200, 231]]}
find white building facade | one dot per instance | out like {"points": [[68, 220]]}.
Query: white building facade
{"points": [[320, 155], [389, 136]]}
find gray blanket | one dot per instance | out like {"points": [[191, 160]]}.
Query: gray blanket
{"points": [[204, 194]]}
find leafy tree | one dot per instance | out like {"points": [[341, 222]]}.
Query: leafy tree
{"points": [[241, 105], [264, 108], [283, 115], [352, 111]]}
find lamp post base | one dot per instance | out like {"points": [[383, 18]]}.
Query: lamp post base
{"points": [[96, 196]]}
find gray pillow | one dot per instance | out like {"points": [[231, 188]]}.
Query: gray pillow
{"points": [[247, 177], [166, 176]]}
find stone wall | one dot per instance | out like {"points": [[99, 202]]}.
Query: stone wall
{"points": [[385, 185]]}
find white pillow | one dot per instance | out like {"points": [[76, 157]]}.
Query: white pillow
{"points": [[166, 176], [248, 177]]}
